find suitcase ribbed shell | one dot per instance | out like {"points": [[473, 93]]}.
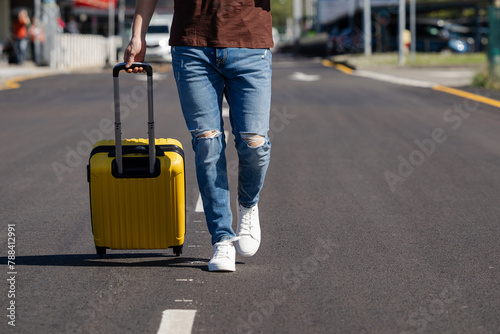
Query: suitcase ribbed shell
{"points": [[138, 213]]}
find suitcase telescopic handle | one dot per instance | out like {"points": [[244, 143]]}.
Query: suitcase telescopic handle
{"points": [[118, 124]]}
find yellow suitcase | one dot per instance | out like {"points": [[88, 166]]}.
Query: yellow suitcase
{"points": [[137, 190]]}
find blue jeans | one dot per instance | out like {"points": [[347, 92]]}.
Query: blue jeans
{"points": [[203, 77], [21, 46]]}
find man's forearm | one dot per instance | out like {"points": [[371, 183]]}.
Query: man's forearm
{"points": [[144, 10]]}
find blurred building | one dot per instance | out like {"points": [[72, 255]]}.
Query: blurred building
{"points": [[91, 16], [76, 33]]}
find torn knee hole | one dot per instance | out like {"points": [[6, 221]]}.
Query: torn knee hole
{"points": [[253, 140], [209, 134]]}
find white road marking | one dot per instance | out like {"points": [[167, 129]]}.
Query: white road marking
{"points": [[299, 76], [156, 77], [199, 205], [177, 322], [196, 262], [394, 79], [225, 112]]}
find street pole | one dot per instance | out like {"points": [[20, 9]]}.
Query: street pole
{"points": [[297, 17], [401, 30], [37, 15], [318, 22], [111, 31], [367, 18], [351, 11], [309, 13], [121, 23], [413, 29]]}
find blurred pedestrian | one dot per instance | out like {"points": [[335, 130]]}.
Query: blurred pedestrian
{"points": [[221, 48], [20, 35], [72, 26], [36, 34]]}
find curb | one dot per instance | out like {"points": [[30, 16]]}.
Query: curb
{"points": [[345, 68], [13, 82]]}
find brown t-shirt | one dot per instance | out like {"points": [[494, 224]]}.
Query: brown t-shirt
{"points": [[222, 24]]}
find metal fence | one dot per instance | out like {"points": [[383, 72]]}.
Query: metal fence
{"points": [[74, 51]]}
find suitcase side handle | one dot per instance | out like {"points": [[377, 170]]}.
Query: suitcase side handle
{"points": [[118, 125]]}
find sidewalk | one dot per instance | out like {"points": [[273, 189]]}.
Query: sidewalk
{"points": [[386, 68], [11, 74], [453, 79], [455, 76]]}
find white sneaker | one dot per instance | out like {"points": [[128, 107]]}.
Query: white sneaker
{"points": [[248, 231], [224, 257]]}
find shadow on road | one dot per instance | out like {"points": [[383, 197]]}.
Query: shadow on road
{"points": [[110, 260]]}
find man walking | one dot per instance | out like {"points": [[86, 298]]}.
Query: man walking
{"points": [[221, 48]]}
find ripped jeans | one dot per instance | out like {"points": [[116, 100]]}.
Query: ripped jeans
{"points": [[203, 77]]}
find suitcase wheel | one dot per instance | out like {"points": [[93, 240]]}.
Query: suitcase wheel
{"points": [[178, 250], [101, 251]]}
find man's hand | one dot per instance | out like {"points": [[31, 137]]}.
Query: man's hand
{"points": [[135, 52], [136, 49]]}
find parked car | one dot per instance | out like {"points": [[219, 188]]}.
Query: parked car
{"points": [[157, 38], [439, 35], [348, 40], [433, 35]]}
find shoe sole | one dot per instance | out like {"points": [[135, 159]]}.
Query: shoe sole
{"points": [[245, 254]]}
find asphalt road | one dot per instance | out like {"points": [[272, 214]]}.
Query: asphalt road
{"points": [[380, 213]]}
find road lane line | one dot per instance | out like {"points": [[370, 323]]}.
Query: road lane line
{"points": [[177, 322], [393, 79], [299, 76], [378, 76], [467, 95], [199, 204], [340, 67], [13, 83]]}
